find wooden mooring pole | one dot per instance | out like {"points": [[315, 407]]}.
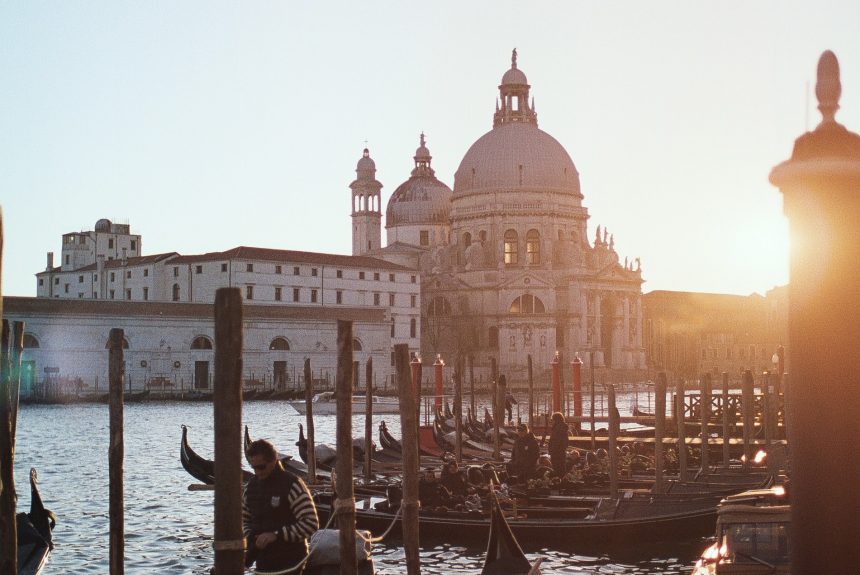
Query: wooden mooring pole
{"points": [[680, 408], [472, 386], [659, 429], [409, 436], [498, 412], [747, 402], [344, 505], [116, 452], [8, 526], [458, 411], [531, 392], [368, 419], [726, 426], [309, 420], [229, 543], [705, 412], [614, 422]]}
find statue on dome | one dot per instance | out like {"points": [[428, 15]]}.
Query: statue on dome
{"points": [[514, 58]]}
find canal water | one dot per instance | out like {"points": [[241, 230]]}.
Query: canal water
{"points": [[169, 529]]}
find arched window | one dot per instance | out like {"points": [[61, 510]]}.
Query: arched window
{"points": [[30, 341], [124, 344], [533, 247], [438, 307], [527, 303], [175, 292], [467, 240], [493, 337], [201, 342], [279, 344], [356, 345], [511, 253]]}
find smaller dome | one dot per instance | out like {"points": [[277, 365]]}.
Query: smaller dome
{"points": [[422, 154], [514, 76], [365, 163], [422, 199], [103, 225]]}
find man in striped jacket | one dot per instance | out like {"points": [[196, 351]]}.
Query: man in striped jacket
{"points": [[278, 513]]}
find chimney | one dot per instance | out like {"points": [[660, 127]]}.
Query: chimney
{"points": [[50, 261]]}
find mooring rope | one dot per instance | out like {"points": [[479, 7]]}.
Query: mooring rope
{"points": [[386, 532]]}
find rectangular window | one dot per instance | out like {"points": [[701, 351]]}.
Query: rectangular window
{"points": [[80, 279], [133, 245], [361, 275], [279, 270], [41, 281], [95, 295], [376, 276], [412, 327], [376, 299], [145, 294], [339, 296], [296, 270], [128, 274], [175, 271], [249, 292], [198, 269], [67, 288], [391, 299], [95, 277], [424, 238], [112, 294], [339, 274], [56, 281], [249, 267], [146, 272], [413, 279], [128, 294], [80, 295], [392, 327], [110, 243], [67, 260], [295, 294], [112, 276], [314, 272], [391, 277], [223, 267], [413, 300], [277, 294], [313, 296]]}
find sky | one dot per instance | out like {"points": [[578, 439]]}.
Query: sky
{"points": [[209, 125]]}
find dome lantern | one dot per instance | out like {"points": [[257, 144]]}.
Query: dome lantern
{"points": [[514, 92]]}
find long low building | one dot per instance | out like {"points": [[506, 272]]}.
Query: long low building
{"points": [[169, 346]]}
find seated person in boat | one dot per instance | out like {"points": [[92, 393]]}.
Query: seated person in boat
{"points": [[525, 454], [544, 468], [430, 491], [454, 481]]}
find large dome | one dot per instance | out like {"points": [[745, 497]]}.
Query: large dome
{"points": [[516, 155]]}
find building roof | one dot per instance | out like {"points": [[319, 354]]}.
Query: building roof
{"points": [[118, 263], [422, 199], [56, 306], [290, 256]]}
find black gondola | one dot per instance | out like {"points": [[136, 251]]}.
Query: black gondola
{"points": [[504, 554], [35, 528], [387, 441]]}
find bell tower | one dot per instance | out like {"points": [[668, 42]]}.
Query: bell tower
{"points": [[366, 207]]}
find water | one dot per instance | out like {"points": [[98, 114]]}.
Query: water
{"points": [[169, 529]]}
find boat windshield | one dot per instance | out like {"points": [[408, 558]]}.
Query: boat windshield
{"points": [[763, 543]]}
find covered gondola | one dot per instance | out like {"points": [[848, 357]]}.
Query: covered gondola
{"points": [[35, 532]]}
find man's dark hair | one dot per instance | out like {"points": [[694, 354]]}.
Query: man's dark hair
{"points": [[261, 447]]}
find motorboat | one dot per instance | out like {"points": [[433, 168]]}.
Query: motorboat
{"points": [[325, 403]]}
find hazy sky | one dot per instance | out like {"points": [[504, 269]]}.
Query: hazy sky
{"points": [[208, 125]]}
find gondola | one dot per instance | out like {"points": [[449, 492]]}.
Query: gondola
{"points": [[504, 554], [35, 528], [608, 523], [387, 441], [327, 455], [203, 470]]}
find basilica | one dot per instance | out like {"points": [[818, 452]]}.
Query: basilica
{"points": [[506, 265], [493, 273]]}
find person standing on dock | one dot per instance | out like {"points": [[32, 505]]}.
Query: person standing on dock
{"points": [[525, 455], [510, 401], [558, 442], [278, 513]]}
